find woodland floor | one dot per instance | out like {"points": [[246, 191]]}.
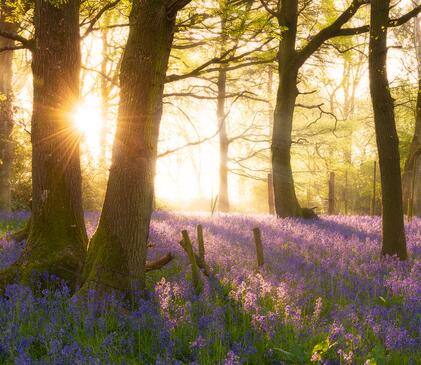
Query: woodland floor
{"points": [[322, 297]]}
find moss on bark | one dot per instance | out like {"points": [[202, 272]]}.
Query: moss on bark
{"points": [[106, 266]]}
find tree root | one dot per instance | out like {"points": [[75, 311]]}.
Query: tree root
{"points": [[18, 236], [160, 263], [309, 213]]}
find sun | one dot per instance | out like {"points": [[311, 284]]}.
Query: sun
{"points": [[88, 120]]}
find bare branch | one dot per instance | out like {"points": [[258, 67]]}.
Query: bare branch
{"points": [[392, 23], [98, 16], [173, 6], [160, 263], [269, 10], [27, 43], [329, 32], [11, 48]]}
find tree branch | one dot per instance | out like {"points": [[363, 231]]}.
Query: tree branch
{"points": [[160, 263], [392, 23], [11, 48], [98, 16], [269, 10], [173, 6], [26, 43], [326, 33]]}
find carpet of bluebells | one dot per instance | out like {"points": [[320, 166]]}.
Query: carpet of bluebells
{"points": [[324, 296]]}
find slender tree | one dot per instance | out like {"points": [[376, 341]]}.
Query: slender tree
{"points": [[290, 60], [394, 242], [117, 251], [225, 8], [223, 198], [412, 170], [6, 109], [56, 237]]}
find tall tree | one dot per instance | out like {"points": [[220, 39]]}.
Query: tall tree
{"points": [[226, 10], [117, 251], [412, 169], [394, 242], [57, 237], [6, 108], [223, 198], [290, 60]]}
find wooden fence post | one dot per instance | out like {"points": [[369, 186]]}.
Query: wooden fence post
{"points": [[331, 208], [259, 248], [187, 246], [412, 194], [200, 259], [201, 242]]}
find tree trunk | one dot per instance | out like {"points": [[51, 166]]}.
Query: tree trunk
{"points": [[57, 236], [105, 94], [117, 252], [224, 204], [6, 113], [415, 148], [394, 242], [286, 202]]}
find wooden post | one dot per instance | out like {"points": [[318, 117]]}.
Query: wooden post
{"points": [[271, 198], [259, 248], [187, 246], [331, 208], [200, 259], [412, 194], [201, 242], [373, 196]]}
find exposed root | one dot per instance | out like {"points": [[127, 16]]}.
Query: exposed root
{"points": [[160, 263], [19, 236], [309, 213]]}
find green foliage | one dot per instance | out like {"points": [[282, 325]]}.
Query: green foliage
{"points": [[17, 9]]}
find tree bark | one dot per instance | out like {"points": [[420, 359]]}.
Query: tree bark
{"points": [[223, 200], [117, 252], [223, 197], [57, 237], [6, 112], [105, 94], [394, 242], [415, 148], [286, 202], [290, 61]]}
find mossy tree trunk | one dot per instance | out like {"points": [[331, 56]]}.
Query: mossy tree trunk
{"points": [[394, 242], [286, 202], [117, 251], [57, 237], [6, 111]]}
